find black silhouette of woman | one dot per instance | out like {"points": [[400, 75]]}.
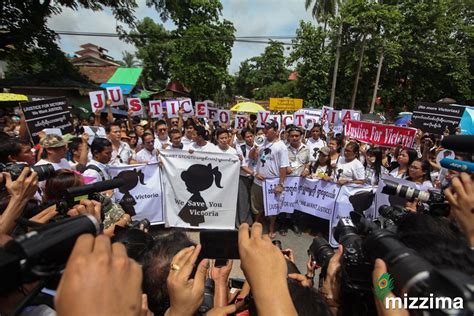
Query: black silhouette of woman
{"points": [[198, 178], [131, 178]]}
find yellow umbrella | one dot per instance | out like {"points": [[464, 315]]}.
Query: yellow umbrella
{"points": [[12, 97], [248, 107]]}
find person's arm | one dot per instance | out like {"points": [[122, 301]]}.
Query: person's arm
{"points": [[83, 158], [220, 275], [110, 115], [180, 119], [97, 118], [23, 132], [265, 269], [21, 191]]}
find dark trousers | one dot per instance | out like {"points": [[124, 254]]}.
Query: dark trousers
{"points": [[244, 215]]}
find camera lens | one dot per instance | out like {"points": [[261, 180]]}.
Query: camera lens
{"points": [[320, 251], [44, 172]]}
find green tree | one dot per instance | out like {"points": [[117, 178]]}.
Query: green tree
{"points": [[322, 10], [313, 62], [128, 60], [29, 45], [154, 46]]}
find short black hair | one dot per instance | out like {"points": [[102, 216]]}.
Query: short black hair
{"points": [[99, 144], [160, 122], [245, 131], [220, 131], [201, 131], [108, 127], [147, 134], [74, 144], [174, 131], [11, 147]]}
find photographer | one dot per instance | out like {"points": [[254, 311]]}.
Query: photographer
{"points": [[21, 191]]}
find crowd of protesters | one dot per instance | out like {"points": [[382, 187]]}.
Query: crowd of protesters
{"points": [[136, 273]]}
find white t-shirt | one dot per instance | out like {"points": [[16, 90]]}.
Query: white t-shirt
{"points": [[122, 156], [209, 147], [246, 161], [159, 143], [62, 164], [145, 155], [185, 147], [314, 146], [186, 141], [271, 157], [229, 150], [394, 173], [353, 170], [94, 173]]}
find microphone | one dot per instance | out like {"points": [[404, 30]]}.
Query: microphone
{"points": [[462, 143], [95, 187], [457, 165]]}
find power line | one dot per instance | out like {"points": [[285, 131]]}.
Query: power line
{"points": [[241, 39]]}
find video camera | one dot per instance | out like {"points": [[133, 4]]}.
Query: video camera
{"points": [[42, 253], [44, 172], [435, 200], [364, 241], [92, 191]]}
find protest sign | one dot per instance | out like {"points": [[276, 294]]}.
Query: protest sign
{"points": [[93, 132], [286, 120], [276, 118], [156, 108], [201, 109], [135, 104], [115, 96], [280, 203], [49, 113], [262, 118], [172, 108], [349, 115], [212, 113], [436, 117], [380, 134], [298, 119], [201, 190], [97, 99], [187, 106], [317, 197], [324, 114], [240, 121], [142, 194], [53, 131], [223, 116], [285, 104]]}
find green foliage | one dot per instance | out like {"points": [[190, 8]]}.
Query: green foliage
{"points": [[128, 60], [261, 72], [313, 63], [29, 46], [153, 49]]}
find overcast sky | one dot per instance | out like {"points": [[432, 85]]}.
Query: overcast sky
{"points": [[250, 18]]}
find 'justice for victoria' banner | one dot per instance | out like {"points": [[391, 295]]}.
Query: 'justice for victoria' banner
{"points": [[201, 189], [141, 196], [380, 134]]}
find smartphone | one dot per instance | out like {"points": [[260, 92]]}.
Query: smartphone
{"points": [[236, 283], [219, 244]]}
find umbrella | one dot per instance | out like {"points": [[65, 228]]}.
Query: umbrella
{"points": [[403, 119], [248, 107], [9, 97]]}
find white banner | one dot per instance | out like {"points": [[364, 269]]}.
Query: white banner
{"points": [[201, 190], [141, 196], [317, 197], [94, 131], [280, 203]]}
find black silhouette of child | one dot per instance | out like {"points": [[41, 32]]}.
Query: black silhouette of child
{"points": [[263, 157], [198, 178], [131, 178]]}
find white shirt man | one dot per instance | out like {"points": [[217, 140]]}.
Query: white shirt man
{"points": [[102, 152], [122, 155], [148, 154], [315, 143]]}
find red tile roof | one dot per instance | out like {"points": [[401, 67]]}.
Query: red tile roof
{"points": [[99, 74], [293, 76]]}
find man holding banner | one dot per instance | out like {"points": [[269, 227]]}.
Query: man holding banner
{"points": [[272, 163]]}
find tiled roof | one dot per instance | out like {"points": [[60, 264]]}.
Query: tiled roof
{"points": [[98, 74]]}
